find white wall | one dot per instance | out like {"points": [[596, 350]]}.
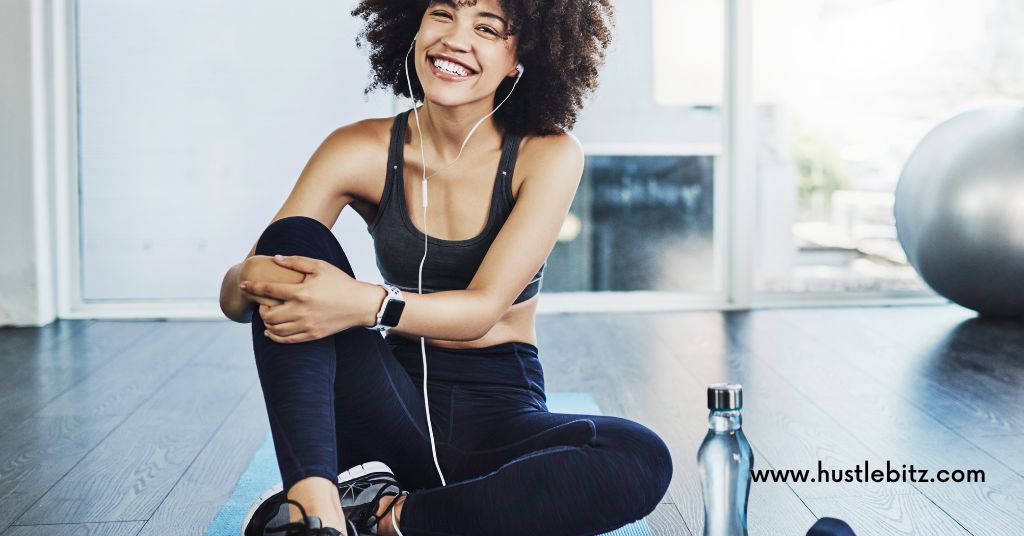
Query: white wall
{"points": [[193, 133], [196, 119], [625, 112], [26, 267]]}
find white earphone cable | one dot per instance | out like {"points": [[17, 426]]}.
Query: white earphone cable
{"points": [[426, 227], [394, 522]]}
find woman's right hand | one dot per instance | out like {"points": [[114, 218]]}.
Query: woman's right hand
{"points": [[263, 268]]}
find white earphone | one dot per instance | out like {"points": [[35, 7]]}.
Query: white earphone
{"points": [[426, 229]]}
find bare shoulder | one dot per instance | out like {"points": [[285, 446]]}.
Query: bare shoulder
{"points": [[359, 151], [563, 147], [363, 134], [556, 154], [358, 145]]}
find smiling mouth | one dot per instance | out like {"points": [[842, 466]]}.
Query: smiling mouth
{"points": [[451, 69]]}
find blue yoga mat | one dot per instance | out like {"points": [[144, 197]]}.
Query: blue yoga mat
{"points": [[263, 473]]}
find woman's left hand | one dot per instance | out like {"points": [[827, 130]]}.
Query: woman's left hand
{"points": [[327, 301]]}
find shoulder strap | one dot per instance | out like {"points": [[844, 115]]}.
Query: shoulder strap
{"points": [[392, 176], [509, 155], [510, 152], [396, 149]]}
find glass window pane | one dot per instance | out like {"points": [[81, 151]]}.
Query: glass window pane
{"points": [[844, 91], [643, 216], [638, 223]]}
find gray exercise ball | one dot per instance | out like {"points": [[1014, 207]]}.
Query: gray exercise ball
{"points": [[960, 209]]}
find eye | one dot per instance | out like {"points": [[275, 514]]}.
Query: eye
{"points": [[442, 14], [488, 30]]}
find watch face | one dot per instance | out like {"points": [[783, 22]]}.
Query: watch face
{"points": [[392, 312]]}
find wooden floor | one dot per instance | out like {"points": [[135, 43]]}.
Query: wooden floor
{"points": [[125, 428]]}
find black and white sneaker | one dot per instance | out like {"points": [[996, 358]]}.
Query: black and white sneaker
{"points": [[263, 524], [362, 488], [268, 516]]}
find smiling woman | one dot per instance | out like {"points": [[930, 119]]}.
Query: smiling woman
{"points": [[342, 397]]}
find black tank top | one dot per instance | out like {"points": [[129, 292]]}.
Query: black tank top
{"points": [[450, 264]]}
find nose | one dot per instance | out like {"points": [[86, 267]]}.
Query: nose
{"points": [[456, 40]]}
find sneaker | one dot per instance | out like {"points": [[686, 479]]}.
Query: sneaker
{"points": [[362, 488], [269, 517]]}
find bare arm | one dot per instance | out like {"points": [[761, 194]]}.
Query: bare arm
{"points": [[452, 315], [553, 167]]}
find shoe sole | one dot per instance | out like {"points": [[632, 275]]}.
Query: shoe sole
{"points": [[358, 471], [364, 469]]}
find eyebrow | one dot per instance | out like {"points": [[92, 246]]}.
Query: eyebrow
{"points": [[487, 14]]}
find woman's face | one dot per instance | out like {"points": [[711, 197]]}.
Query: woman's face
{"points": [[462, 52]]}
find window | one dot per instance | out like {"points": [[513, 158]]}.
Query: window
{"points": [[844, 91], [643, 218]]}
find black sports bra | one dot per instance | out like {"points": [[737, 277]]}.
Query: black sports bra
{"points": [[450, 264]]}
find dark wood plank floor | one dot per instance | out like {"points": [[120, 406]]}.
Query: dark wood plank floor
{"points": [[127, 428]]}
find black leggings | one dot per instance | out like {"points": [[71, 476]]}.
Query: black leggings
{"points": [[512, 467]]}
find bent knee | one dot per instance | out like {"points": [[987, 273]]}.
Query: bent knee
{"points": [[305, 236], [299, 220], [658, 462], [289, 231], [651, 459]]}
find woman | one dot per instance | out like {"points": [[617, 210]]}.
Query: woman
{"points": [[491, 459]]}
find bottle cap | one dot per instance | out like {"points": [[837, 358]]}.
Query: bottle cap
{"points": [[725, 396]]}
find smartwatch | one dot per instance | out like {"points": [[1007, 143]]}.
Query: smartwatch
{"points": [[390, 309]]}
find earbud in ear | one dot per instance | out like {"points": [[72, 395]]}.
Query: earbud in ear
{"points": [[520, 68]]}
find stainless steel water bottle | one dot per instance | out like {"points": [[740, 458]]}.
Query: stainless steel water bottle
{"points": [[725, 460]]}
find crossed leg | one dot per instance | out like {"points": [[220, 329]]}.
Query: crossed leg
{"points": [[345, 400]]}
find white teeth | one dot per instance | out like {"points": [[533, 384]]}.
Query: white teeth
{"points": [[450, 67]]}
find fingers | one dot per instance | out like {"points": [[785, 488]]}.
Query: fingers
{"points": [[275, 317], [285, 329], [279, 327], [287, 339], [299, 263], [260, 288], [261, 300]]}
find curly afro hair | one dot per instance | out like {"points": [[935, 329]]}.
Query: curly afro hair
{"points": [[561, 43]]}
